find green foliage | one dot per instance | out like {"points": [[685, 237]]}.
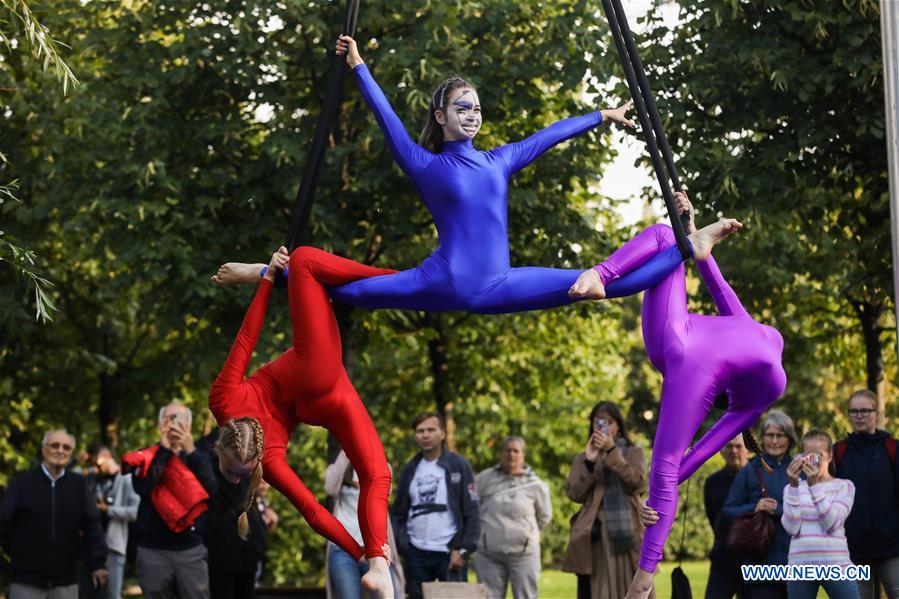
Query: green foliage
{"points": [[775, 110], [181, 148]]}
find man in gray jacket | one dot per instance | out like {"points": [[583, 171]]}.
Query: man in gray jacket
{"points": [[515, 506]]}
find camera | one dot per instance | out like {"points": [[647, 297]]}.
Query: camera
{"points": [[813, 458], [601, 424]]}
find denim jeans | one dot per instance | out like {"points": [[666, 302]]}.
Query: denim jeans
{"points": [[425, 566], [835, 589], [884, 573], [115, 563], [346, 574]]}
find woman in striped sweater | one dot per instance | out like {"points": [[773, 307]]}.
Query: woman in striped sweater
{"points": [[815, 508]]}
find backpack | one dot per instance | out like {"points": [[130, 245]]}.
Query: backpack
{"points": [[839, 450]]}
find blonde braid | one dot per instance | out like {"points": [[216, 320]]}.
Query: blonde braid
{"points": [[243, 523], [243, 439]]}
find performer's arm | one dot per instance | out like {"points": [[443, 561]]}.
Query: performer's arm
{"points": [[520, 154], [724, 296], [238, 360], [411, 157]]}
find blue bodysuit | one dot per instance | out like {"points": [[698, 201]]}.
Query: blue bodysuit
{"points": [[465, 191]]}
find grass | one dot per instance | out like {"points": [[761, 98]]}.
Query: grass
{"points": [[555, 584]]}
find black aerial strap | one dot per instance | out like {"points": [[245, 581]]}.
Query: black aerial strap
{"points": [[299, 221], [650, 121]]}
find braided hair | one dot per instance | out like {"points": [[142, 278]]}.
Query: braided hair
{"points": [[242, 438], [432, 135]]}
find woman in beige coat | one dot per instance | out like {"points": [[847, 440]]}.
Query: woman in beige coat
{"points": [[608, 479]]}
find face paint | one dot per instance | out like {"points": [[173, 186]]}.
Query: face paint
{"points": [[463, 116]]}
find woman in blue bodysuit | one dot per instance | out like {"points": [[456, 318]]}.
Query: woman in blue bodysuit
{"points": [[465, 191]]}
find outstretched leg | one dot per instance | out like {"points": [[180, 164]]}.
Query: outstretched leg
{"points": [[731, 424], [349, 421], [278, 473], [646, 260], [685, 402], [316, 337]]}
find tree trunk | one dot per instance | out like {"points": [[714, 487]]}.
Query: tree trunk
{"points": [[107, 410], [869, 317], [437, 352]]}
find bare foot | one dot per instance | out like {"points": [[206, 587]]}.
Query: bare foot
{"points": [[588, 285], [237, 273], [377, 580], [707, 237], [641, 585]]}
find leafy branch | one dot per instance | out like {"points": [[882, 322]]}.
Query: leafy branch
{"points": [[23, 262], [45, 47]]}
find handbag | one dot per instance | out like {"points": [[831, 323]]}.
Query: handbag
{"points": [[752, 533]]}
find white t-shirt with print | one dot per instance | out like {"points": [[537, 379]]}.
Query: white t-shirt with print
{"points": [[431, 525]]}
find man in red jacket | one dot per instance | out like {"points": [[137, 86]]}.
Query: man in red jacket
{"points": [[168, 560]]}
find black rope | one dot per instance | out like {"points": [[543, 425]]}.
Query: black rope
{"points": [[650, 120], [299, 220]]}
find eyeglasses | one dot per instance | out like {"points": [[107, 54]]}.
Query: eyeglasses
{"points": [[775, 436], [57, 445], [861, 411]]}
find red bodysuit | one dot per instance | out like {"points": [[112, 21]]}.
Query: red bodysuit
{"points": [[308, 383]]}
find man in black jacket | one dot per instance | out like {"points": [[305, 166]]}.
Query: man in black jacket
{"points": [[45, 518], [435, 515], [168, 560], [725, 578]]}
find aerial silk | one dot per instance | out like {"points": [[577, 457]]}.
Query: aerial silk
{"points": [[465, 191]]}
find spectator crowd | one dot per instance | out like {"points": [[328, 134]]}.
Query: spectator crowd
{"points": [[195, 522]]}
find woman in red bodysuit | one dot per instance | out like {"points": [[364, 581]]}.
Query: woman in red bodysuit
{"points": [[308, 383]]}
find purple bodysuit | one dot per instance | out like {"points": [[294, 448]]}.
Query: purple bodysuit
{"points": [[699, 357]]}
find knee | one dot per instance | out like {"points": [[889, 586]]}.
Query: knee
{"points": [[304, 255], [376, 475], [662, 232]]}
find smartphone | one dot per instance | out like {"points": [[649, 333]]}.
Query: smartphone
{"points": [[601, 424]]}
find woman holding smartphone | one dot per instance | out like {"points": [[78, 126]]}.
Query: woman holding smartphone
{"points": [[607, 478]]}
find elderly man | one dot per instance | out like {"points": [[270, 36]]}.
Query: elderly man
{"points": [[170, 550], [515, 507], [46, 517]]}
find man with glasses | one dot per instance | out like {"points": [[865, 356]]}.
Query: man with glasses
{"points": [[867, 457], [46, 520]]}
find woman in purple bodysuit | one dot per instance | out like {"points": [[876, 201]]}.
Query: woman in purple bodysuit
{"points": [[699, 357]]}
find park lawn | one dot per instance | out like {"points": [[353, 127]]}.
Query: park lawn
{"points": [[555, 584]]}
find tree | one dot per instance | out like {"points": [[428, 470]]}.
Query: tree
{"points": [[164, 163], [19, 26], [776, 112]]}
